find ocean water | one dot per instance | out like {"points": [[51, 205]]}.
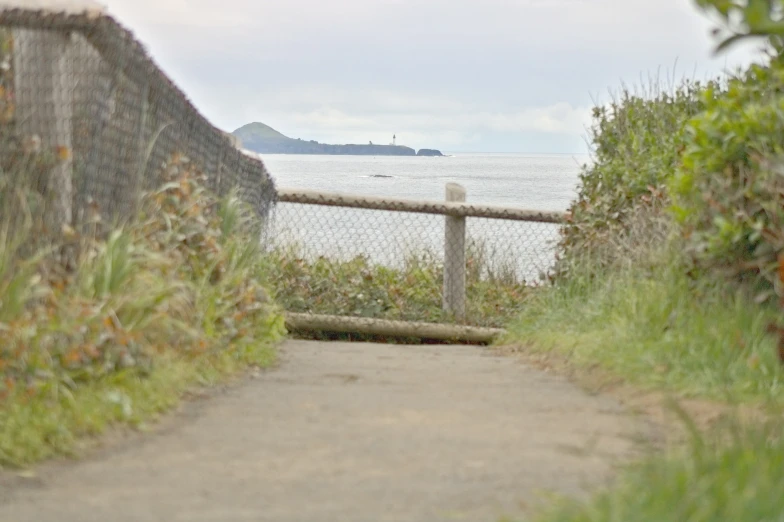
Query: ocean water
{"points": [[536, 182], [540, 182]]}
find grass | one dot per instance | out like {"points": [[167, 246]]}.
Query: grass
{"points": [[647, 321], [129, 319], [36, 428], [711, 480], [657, 328]]}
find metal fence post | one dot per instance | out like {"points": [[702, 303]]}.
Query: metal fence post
{"points": [[454, 299], [44, 109]]}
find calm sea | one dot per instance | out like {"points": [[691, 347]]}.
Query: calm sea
{"points": [[537, 182], [540, 182]]}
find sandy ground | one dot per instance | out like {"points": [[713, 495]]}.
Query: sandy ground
{"points": [[350, 433]]}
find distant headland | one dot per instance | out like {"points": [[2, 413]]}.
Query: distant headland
{"points": [[263, 139]]}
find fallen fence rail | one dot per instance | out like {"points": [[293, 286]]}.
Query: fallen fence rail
{"points": [[387, 328]]}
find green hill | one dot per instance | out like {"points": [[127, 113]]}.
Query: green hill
{"points": [[263, 139], [259, 134]]}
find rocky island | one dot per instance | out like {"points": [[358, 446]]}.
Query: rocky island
{"points": [[429, 152], [263, 139]]}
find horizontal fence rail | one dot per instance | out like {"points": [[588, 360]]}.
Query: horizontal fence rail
{"points": [[446, 208]]}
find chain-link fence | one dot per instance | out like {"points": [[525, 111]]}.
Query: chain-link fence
{"points": [[89, 122], [371, 258], [80, 95]]}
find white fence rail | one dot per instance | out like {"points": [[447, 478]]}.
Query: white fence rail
{"points": [[446, 208]]}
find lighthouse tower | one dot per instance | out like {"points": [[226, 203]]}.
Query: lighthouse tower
{"points": [[394, 139]]}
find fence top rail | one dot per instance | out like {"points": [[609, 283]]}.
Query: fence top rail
{"points": [[116, 44], [54, 6], [336, 199], [124, 60]]}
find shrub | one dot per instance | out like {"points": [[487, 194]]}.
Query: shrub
{"points": [[729, 188], [636, 140]]}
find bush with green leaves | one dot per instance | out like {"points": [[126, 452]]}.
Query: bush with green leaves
{"points": [[728, 192], [636, 139]]}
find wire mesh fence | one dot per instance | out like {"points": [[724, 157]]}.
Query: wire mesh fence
{"points": [[82, 101], [406, 260], [518, 250]]}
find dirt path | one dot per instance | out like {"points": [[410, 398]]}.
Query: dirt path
{"points": [[348, 432]]}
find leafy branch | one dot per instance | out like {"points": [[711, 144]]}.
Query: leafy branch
{"points": [[745, 19]]}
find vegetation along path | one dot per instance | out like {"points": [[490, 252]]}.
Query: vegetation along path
{"points": [[348, 432]]}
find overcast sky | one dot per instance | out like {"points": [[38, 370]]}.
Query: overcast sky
{"points": [[458, 75]]}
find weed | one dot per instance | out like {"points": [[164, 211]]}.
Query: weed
{"points": [[413, 291]]}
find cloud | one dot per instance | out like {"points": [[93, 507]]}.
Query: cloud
{"points": [[560, 118], [420, 122], [201, 14], [438, 72]]}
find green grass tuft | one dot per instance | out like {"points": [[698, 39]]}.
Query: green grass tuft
{"points": [[712, 480], [659, 329], [36, 428]]}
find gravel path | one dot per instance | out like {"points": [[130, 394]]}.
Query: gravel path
{"points": [[349, 433]]}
